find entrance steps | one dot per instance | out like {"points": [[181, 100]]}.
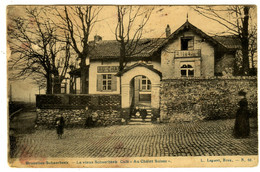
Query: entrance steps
{"points": [[139, 121]]}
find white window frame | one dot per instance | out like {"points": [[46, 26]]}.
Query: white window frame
{"points": [[187, 69], [107, 82], [145, 86]]}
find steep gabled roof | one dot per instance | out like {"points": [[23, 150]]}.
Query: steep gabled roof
{"points": [[110, 49], [188, 26]]}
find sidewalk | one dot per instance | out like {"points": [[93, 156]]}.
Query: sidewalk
{"points": [[23, 121]]}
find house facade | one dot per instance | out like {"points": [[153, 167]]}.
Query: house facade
{"points": [[186, 53]]}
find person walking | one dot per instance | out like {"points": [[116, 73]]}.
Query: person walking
{"points": [[242, 127], [60, 126]]}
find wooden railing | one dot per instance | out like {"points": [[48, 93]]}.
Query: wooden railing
{"points": [[187, 53], [78, 101]]}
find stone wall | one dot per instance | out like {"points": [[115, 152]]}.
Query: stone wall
{"points": [[78, 117], [212, 98], [104, 109]]}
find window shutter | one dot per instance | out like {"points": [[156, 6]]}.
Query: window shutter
{"points": [[114, 83], [190, 44], [99, 82]]}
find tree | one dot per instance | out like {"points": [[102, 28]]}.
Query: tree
{"points": [[131, 22], [252, 47], [238, 20], [78, 22], [129, 31], [35, 50]]}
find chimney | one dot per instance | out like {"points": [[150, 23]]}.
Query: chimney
{"points": [[168, 31], [97, 38]]}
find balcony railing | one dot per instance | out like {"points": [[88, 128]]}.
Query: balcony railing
{"points": [[187, 53]]}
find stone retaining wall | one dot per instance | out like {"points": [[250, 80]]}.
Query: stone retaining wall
{"points": [[73, 117], [104, 109], [211, 98]]}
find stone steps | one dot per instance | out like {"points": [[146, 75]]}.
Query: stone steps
{"points": [[149, 116], [139, 121]]}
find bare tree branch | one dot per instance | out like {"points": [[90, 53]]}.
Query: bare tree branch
{"points": [[78, 22], [237, 20], [35, 50]]}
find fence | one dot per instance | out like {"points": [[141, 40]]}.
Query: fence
{"points": [[72, 101]]}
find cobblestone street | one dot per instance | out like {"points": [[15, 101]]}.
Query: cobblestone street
{"points": [[177, 139]]}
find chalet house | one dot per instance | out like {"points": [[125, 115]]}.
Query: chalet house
{"points": [[188, 52]]}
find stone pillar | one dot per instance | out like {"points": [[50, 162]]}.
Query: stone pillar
{"points": [[125, 101], [197, 68], [155, 96], [125, 97], [177, 69], [136, 89], [155, 100]]}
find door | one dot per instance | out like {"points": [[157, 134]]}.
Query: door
{"points": [[142, 91]]}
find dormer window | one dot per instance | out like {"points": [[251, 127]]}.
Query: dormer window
{"points": [[187, 43], [187, 69]]}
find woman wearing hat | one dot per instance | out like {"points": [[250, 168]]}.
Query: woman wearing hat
{"points": [[242, 128]]}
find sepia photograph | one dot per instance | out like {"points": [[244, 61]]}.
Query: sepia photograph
{"points": [[115, 86]]}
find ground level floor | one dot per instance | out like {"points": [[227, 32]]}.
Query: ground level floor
{"points": [[203, 138]]}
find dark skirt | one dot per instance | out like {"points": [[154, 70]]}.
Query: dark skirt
{"points": [[60, 129], [242, 127], [143, 113]]}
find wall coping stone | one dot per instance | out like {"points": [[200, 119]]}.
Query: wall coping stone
{"points": [[214, 78]]}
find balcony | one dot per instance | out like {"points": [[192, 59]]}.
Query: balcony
{"points": [[187, 53]]}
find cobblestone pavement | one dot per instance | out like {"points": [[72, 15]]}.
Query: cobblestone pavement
{"points": [[177, 139]]}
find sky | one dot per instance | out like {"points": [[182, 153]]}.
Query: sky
{"points": [[175, 16]]}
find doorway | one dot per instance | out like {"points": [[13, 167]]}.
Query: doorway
{"points": [[140, 91]]}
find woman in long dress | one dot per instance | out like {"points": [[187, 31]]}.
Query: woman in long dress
{"points": [[242, 127]]}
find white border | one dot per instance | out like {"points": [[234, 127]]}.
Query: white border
{"points": [[3, 100]]}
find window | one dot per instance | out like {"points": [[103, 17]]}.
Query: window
{"points": [[145, 84], [187, 70], [187, 43], [63, 88], [106, 82]]}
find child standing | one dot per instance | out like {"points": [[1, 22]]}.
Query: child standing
{"points": [[60, 126]]}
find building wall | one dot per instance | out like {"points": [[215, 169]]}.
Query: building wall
{"points": [[207, 60], [93, 75], [225, 65], [204, 66]]}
